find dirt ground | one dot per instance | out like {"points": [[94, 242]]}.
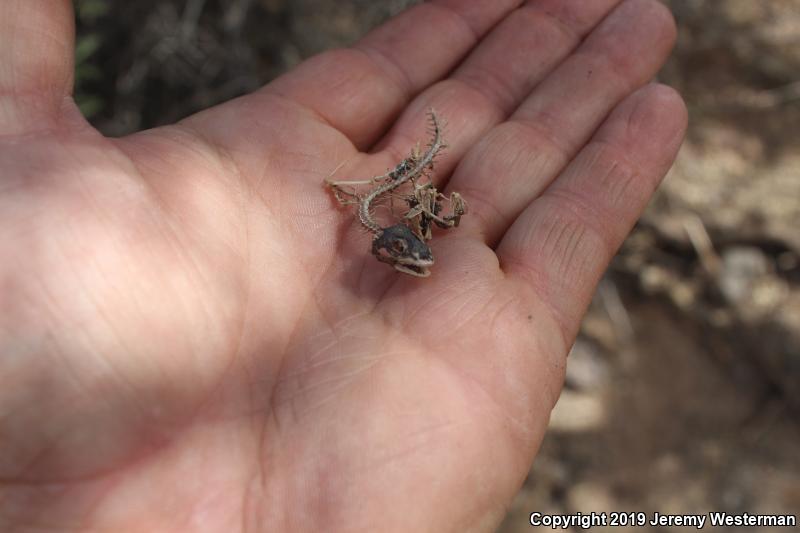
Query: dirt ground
{"points": [[683, 389]]}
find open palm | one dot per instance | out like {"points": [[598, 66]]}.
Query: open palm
{"points": [[193, 335]]}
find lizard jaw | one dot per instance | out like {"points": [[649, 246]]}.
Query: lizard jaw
{"points": [[413, 270], [413, 266]]}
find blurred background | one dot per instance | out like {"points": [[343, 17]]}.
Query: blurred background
{"points": [[683, 389]]}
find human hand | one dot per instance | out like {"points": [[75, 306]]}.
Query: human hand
{"points": [[194, 337]]}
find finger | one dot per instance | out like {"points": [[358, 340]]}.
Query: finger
{"points": [[514, 162], [36, 62], [561, 244], [526, 46], [359, 90], [494, 79]]}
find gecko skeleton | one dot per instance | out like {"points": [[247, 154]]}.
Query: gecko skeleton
{"points": [[403, 245]]}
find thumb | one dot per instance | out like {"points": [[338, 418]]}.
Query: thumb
{"points": [[36, 63]]}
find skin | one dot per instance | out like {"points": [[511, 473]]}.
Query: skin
{"points": [[193, 337]]}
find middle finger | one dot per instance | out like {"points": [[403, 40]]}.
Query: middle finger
{"points": [[517, 160], [516, 56]]}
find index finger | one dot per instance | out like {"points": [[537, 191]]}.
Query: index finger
{"points": [[36, 58], [360, 90]]}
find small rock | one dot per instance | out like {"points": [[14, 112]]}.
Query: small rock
{"points": [[742, 266], [590, 496], [586, 368], [576, 412]]}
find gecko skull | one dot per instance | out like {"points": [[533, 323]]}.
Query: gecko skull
{"points": [[398, 246]]}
